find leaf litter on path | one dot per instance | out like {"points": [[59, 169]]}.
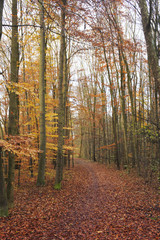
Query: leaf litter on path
{"points": [[94, 203]]}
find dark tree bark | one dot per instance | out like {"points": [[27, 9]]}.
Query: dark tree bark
{"points": [[3, 194], [42, 138], [61, 111], [151, 50], [1, 14], [13, 124]]}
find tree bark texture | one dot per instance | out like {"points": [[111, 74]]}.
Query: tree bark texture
{"points": [[151, 51], [1, 14], [42, 127], [13, 124], [3, 195], [61, 111]]}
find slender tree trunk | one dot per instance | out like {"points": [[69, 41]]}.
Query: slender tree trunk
{"points": [[66, 107], [94, 121], [122, 98], [133, 136], [114, 113], [3, 195], [81, 138], [61, 117], [13, 124], [1, 14], [123, 106], [104, 151], [42, 137]]}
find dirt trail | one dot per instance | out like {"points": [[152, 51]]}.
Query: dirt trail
{"points": [[94, 203], [111, 207]]}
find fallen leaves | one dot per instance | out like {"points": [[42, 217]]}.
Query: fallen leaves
{"points": [[94, 203]]}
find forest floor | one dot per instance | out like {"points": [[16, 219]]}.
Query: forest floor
{"points": [[94, 203]]}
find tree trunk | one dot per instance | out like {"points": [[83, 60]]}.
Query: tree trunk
{"points": [[13, 124], [151, 50], [66, 106], [42, 137], [104, 106], [61, 117], [123, 107], [1, 14], [3, 195], [114, 110], [94, 119]]}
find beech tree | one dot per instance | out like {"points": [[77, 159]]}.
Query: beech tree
{"points": [[3, 193], [13, 123], [150, 22], [61, 111], [42, 137], [148, 33]]}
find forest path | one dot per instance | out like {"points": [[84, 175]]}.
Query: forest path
{"points": [[94, 203]]}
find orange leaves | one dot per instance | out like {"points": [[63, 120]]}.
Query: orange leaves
{"points": [[19, 145], [96, 95], [109, 147]]}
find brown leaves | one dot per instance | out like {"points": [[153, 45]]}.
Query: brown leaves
{"points": [[19, 145], [94, 203]]}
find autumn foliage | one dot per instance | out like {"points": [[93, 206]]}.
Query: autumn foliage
{"points": [[79, 79]]}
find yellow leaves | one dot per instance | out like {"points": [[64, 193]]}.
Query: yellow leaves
{"points": [[50, 116], [26, 123], [20, 88], [68, 128], [51, 146], [52, 136], [130, 155], [4, 144], [71, 148]]}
